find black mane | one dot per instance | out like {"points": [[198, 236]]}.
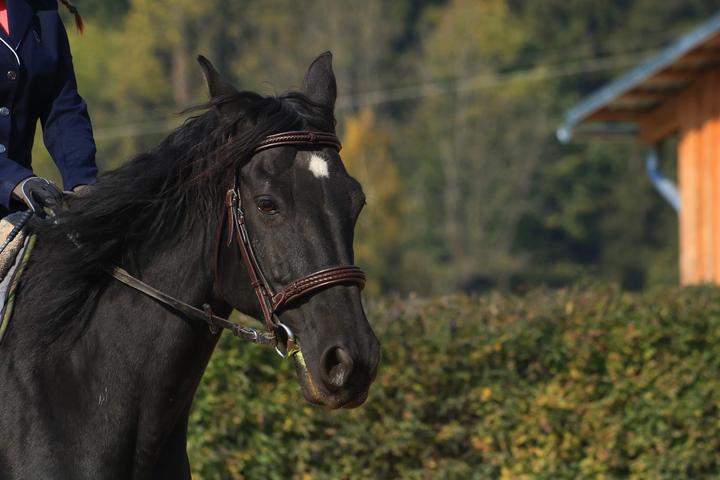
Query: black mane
{"points": [[156, 198]]}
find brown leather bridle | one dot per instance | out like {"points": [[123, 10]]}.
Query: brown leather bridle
{"points": [[271, 302]]}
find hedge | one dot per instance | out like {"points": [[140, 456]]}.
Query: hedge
{"points": [[580, 383]]}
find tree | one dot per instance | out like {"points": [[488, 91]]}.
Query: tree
{"points": [[366, 154]]}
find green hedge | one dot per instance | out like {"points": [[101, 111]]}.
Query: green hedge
{"points": [[584, 383]]}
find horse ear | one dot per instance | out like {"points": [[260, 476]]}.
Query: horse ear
{"points": [[319, 84], [217, 85]]}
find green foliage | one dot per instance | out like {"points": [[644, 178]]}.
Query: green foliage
{"points": [[581, 383]]}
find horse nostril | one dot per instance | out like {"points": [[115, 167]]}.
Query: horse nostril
{"points": [[337, 366]]}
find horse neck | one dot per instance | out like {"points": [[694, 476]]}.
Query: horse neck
{"points": [[136, 364], [170, 351]]}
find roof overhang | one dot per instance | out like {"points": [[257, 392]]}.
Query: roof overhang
{"points": [[619, 107]]}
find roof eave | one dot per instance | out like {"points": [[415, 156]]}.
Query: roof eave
{"points": [[634, 77]]}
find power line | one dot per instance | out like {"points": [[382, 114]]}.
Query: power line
{"points": [[484, 81], [467, 84]]}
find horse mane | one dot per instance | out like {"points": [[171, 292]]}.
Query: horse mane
{"points": [[154, 200]]}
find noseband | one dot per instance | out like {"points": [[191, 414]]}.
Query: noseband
{"points": [[271, 302]]}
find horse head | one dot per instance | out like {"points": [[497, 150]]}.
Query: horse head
{"points": [[298, 208]]}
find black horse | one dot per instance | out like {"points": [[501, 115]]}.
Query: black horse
{"points": [[97, 379]]}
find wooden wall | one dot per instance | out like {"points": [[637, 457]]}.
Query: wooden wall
{"points": [[697, 111], [694, 114]]}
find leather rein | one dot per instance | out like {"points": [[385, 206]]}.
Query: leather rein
{"points": [[277, 334]]}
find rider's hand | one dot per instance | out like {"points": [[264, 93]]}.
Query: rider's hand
{"points": [[38, 193]]}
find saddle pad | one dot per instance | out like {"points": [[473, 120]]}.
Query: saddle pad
{"points": [[7, 256], [12, 263]]}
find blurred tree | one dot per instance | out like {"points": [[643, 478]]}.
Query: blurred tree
{"points": [[366, 154], [102, 11], [475, 145]]}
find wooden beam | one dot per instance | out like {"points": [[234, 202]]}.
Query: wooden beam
{"points": [[699, 56], [699, 174], [714, 174], [639, 96], [689, 181], [606, 115], [714, 41], [669, 77], [706, 122], [662, 121]]}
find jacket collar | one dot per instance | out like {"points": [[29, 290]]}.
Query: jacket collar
{"points": [[20, 15]]}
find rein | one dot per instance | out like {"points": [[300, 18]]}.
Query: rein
{"points": [[214, 322], [277, 334]]}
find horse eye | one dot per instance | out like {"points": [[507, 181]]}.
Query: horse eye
{"points": [[266, 205]]}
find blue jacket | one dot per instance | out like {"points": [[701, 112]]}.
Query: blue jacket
{"points": [[37, 81]]}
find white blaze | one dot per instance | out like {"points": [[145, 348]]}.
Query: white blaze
{"points": [[318, 166]]}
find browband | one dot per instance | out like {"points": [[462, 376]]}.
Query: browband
{"points": [[299, 138]]}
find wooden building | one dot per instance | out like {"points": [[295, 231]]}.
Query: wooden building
{"points": [[676, 92]]}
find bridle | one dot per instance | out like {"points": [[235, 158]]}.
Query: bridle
{"points": [[271, 302]]}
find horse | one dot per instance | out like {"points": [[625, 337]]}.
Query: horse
{"points": [[97, 375]]}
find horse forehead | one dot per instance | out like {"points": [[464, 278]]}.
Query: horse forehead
{"points": [[321, 174], [319, 163], [280, 161], [318, 166], [307, 170]]}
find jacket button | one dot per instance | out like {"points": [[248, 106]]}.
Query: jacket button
{"points": [[11, 75], [2, 148], [4, 111]]}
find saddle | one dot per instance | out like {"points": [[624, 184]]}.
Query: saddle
{"points": [[13, 258]]}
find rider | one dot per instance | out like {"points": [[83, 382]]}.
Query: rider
{"points": [[37, 81]]}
